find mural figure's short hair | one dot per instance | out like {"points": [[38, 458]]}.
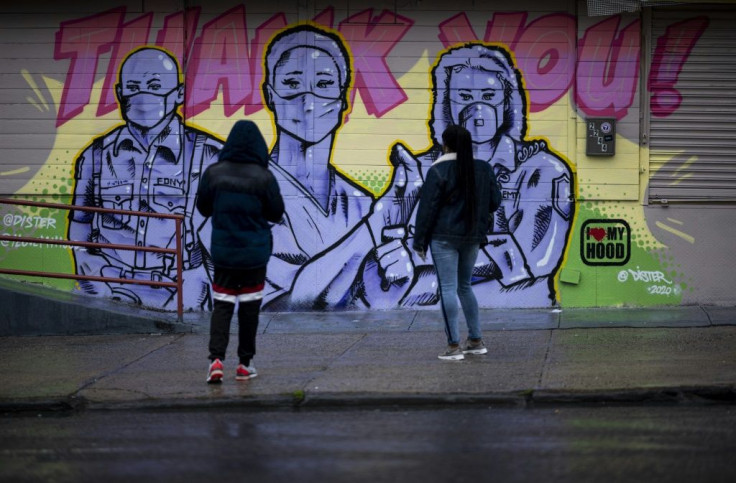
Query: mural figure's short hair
{"points": [[484, 57], [308, 36]]}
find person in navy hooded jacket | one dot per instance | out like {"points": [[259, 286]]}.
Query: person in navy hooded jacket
{"points": [[242, 197]]}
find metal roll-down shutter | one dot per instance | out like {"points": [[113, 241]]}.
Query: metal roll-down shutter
{"points": [[692, 155]]}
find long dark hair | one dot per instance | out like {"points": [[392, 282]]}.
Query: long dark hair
{"points": [[457, 139]]}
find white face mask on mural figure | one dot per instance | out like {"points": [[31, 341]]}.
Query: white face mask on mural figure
{"points": [[476, 97], [147, 109], [306, 94], [306, 116], [149, 90]]}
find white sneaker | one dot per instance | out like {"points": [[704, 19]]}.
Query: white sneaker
{"points": [[476, 348], [452, 354]]}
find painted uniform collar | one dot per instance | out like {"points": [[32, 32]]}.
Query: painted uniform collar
{"points": [[505, 154], [170, 137], [281, 173]]}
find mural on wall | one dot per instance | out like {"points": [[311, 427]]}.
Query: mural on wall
{"points": [[306, 87], [477, 86], [343, 242], [332, 223], [151, 164]]}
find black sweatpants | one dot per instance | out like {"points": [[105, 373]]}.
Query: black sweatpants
{"points": [[245, 288]]}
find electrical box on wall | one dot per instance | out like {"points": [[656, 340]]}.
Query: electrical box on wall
{"points": [[600, 136]]}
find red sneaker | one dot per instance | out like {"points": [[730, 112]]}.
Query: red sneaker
{"points": [[243, 372], [215, 373]]}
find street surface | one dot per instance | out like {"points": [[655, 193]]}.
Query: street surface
{"points": [[567, 443]]}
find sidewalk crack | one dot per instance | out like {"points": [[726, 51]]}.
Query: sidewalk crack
{"points": [[545, 361], [102, 376], [707, 315], [413, 319], [308, 385]]}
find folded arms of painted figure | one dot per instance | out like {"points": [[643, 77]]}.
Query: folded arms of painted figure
{"points": [[373, 264], [335, 277], [525, 243], [530, 230]]}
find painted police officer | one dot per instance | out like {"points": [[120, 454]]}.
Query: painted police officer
{"points": [[152, 163]]}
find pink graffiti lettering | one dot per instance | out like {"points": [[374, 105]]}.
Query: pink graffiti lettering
{"points": [[544, 49], [220, 58], [608, 69], [505, 28], [545, 56], [326, 17], [133, 34], [171, 37], [263, 34], [456, 30], [370, 41], [673, 49], [83, 41]]}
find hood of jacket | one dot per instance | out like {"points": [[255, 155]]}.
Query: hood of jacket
{"points": [[245, 144]]}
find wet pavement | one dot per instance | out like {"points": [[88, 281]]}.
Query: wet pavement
{"points": [[570, 444], [356, 359]]}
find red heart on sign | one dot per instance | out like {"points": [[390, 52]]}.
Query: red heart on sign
{"points": [[597, 233]]}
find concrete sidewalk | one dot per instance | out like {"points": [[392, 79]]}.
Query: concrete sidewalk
{"points": [[683, 354]]}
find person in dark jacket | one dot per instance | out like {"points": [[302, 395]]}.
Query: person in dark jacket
{"points": [[241, 196], [454, 215]]}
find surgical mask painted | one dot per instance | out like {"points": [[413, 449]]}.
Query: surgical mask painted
{"points": [[306, 94], [146, 109], [481, 119], [307, 116], [476, 99]]}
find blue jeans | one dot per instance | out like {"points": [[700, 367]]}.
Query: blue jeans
{"points": [[454, 264]]}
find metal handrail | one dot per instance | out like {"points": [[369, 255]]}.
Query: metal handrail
{"points": [[177, 251]]}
